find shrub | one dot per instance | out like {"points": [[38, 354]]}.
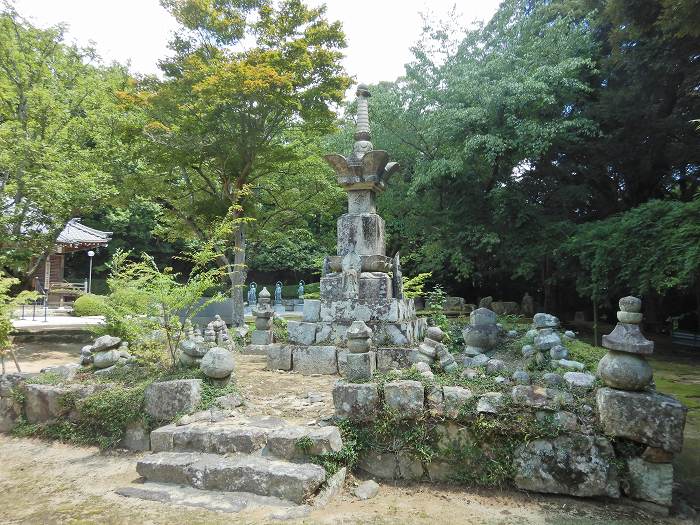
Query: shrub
{"points": [[89, 304]]}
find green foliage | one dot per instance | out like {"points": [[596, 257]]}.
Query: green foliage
{"points": [[355, 441], [8, 304], [304, 444], [435, 305], [59, 143], [89, 304], [279, 330], [45, 378], [413, 286], [652, 248], [144, 299], [211, 391]]}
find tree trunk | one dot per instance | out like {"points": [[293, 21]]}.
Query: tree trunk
{"points": [[237, 275]]}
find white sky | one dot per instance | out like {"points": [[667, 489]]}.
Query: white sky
{"points": [[379, 33]]}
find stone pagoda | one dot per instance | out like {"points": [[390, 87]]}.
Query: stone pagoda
{"points": [[360, 283]]}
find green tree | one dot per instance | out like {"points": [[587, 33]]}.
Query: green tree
{"points": [[57, 110], [245, 81]]}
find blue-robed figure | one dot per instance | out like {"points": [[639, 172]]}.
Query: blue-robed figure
{"points": [[278, 292], [300, 290], [252, 296]]}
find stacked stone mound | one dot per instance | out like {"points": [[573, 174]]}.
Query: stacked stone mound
{"points": [[433, 351], [361, 360], [481, 334], [105, 353], [264, 315], [548, 348], [630, 408], [235, 463]]}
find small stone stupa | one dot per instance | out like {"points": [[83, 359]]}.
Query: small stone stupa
{"points": [[624, 366], [361, 283]]}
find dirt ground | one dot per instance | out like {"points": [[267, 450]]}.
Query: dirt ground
{"points": [[33, 356], [53, 483]]}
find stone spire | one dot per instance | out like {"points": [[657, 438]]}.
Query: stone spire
{"points": [[363, 136], [362, 132]]}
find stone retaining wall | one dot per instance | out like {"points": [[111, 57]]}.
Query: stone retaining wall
{"points": [[329, 360], [607, 442]]}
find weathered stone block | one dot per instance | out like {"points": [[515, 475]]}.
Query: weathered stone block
{"points": [[136, 437], [628, 338], [163, 401], [308, 360], [490, 403], [650, 481], [45, 402], [281, 479], [312, 310], [10, 411], [360, 367], [218, 363], [650, 418], [540, 397], [546, 339], [361, 233], [262, 337], [406, 398], [358, 401], [576, 464], [279, 357], [283, 443], [301, 333], [436, 401], [455, 399], [543, 320], [393, 358], [379, 465]]}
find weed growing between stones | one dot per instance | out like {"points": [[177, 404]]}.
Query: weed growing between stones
{"points": [[355, 440], [304, 444], [211, 392]]}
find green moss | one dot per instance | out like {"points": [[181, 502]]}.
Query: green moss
{"points": [[47, 378], [584, 353]]}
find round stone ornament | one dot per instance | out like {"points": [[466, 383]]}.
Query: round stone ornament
{"points": [[629, 317], [218, 363], [624, 371]]}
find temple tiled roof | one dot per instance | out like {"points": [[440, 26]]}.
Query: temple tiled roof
{"points": [[76, 233]]}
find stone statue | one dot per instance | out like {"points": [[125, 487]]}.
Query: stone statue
{"points": [[252, 295], [527, 306], [397, 277], [278, 292], [352, 266], [300, 290]]}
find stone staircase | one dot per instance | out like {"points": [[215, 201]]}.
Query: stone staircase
{"points": [[242, 462]]}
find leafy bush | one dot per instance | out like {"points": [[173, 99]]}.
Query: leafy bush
{"points": [[413, 286], [144, 300], [435, 300], [89, 304], [279, 330]]}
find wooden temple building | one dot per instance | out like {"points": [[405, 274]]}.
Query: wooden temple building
{"points": [[49, 277]]}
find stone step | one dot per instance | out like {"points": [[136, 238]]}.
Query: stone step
{"points": [[281, 441], [295, 482]]}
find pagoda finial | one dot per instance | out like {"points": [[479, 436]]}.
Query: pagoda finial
{"points": [[362, 132]]}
